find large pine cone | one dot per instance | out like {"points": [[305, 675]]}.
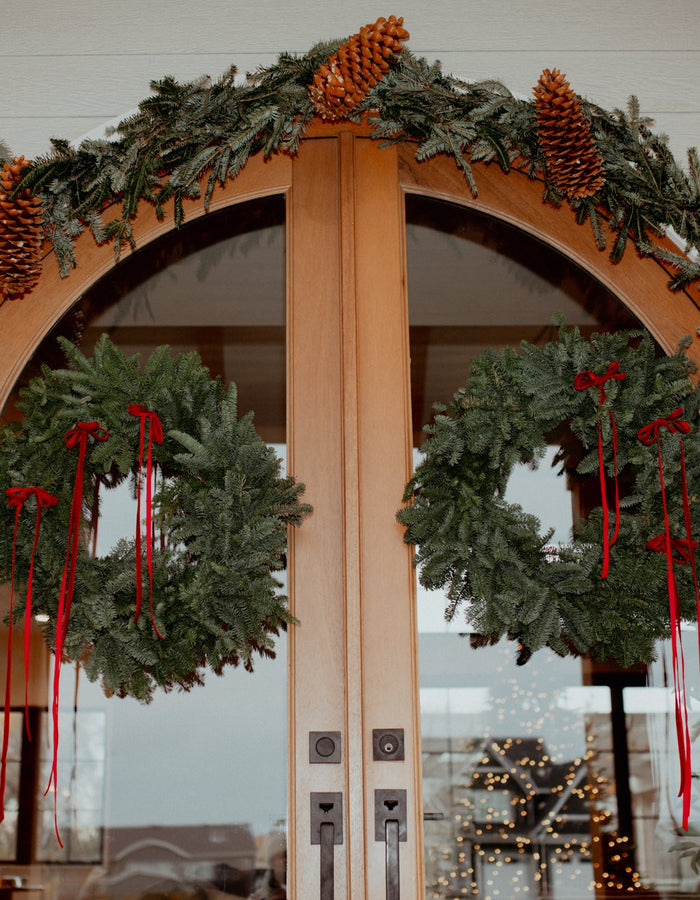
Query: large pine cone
{"points": [[20, 233], [343, 82], [573, 163]]}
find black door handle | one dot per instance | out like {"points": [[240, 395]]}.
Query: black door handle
{"points": [[327, 830], [390, 827]]}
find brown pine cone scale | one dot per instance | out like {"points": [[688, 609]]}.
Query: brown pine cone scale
{"points": [[20, 233], [343, 82], [574, 165]]}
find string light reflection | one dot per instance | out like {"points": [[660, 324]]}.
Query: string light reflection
{"points": [[529, 803]]}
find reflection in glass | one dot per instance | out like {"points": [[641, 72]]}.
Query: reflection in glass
{"points": [[186, 796], [557, 778], [8, 830]]}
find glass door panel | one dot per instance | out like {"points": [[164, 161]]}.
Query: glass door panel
{"points": [[186, 796], [553, 778]]}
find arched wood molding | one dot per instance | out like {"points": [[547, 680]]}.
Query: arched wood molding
{"points": [[24, 322], [641, 283]]}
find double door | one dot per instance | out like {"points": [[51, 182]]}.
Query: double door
{"points": [[330, 377], [354, 658]]}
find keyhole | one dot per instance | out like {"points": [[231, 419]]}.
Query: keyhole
{"points": [[391, 804], [326, 807]]}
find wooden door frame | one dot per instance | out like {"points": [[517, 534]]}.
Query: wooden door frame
{"points": [[347, 322], [641, 283]]}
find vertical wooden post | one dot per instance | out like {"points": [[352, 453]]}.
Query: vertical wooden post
{"points": [[351, 578]]}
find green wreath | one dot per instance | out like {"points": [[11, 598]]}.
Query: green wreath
{"points": [[221, 510], [491, 557]]}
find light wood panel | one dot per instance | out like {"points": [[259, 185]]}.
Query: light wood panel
{"points": [[352, 576], [388, 604], [316, 456]]}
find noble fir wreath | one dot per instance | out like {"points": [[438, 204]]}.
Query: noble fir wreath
{"points": [[492, 558], [219, 517]]}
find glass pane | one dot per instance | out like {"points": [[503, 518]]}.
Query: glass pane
{"points": [[185, 796], [8, 829], [543, 779]]}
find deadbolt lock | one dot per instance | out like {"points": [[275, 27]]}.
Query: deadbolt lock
{"points": [[387, 744]]}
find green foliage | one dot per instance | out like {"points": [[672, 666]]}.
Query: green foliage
{"points": [[490, 556], [191, 137], [222, 508]]}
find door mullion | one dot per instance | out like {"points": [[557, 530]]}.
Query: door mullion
{"points": [[315, 454]]}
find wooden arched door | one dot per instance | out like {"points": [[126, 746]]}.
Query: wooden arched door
{"points": [[353, 663]]}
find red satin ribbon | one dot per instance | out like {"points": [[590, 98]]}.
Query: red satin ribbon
{"points": [[16, 498], [76, 437], [155, 433], [683, 549], [649, 435], [582, 382]]}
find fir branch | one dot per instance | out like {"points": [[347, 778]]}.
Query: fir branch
{"points": [[204, 131]]}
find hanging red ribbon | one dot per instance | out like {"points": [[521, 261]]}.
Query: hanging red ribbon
{"points": [[582, 382], [648, 435], [76, 437], [16, 498], [155, 433]]}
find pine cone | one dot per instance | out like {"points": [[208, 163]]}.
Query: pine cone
{"points": [[573, 163], [20, 233], [343, 82]]}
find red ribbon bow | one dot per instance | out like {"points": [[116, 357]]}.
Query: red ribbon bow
{"points": [[155, 433], [685, 548], [587, 379], [76, 437], [582, 382], [16, 498], [650, 433]]}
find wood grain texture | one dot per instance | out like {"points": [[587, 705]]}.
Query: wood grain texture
{"points": [[24, 322], [640, 283]]}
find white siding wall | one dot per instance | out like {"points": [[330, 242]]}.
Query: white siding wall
{"points": [[69, 66]]}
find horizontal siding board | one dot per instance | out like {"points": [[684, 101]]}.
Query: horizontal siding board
{"points": [[269, 26], [76, 64], [79, 86]]}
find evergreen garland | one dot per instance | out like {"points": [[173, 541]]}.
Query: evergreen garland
{"points": [[491, 557], [221, 505], [189, 137]]}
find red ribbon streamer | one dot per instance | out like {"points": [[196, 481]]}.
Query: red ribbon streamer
{"points": [[582, 382], [16, 498], [155, 433], [76, 437], [649, 435]]}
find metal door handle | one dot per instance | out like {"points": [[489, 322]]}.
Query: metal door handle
{"points": [[390, 827], [327, 830], [391, 854]]}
